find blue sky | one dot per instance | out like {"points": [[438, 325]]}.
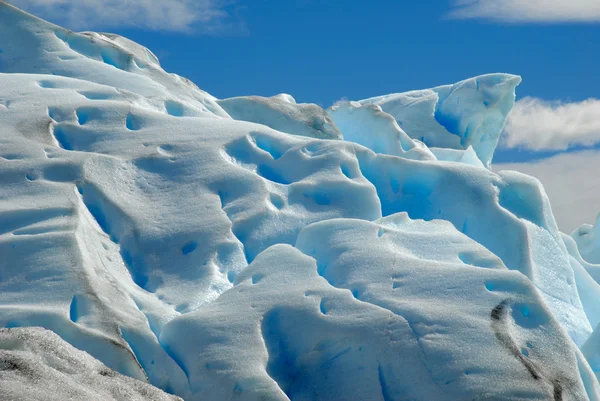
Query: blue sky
{"points": [[321, 51]]}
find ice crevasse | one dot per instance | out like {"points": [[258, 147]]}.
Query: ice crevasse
{"points": [[159, 242]]}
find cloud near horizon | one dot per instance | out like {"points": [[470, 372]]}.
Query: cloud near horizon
{"points": [[199, 16], [541, 11], [570, 180], [536, 124]]}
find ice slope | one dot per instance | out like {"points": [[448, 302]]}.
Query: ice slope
{"points": [[102, 58], [37, 365], [383, 134], [467, 114], [222, 259], [358, 313], [282, 113], [588, 282]]}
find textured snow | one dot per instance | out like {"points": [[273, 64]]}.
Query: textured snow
{"points": [[383, 134], [282, 113], [37, 365], [468, 113], [254, 248]]}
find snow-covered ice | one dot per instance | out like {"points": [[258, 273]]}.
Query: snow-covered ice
{"points": [[37, 365], [282, 113], [259, 249]]}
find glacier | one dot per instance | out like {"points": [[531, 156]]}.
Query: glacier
{"points": [[159, 243]]}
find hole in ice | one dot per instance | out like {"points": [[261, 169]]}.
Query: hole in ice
{"points": [[174, 108], [231, 275], [46, 84], [257, 278], [525, 352], [112, 57], [380, 232], [105, 246], [227, 254], [12, 156], [346, 171], [268, 145], [66, 57], [529, 316], [83, 115], [30, 176], [189, 248], [182, 308], [140, 64], [52, 113], [320, 198], [94, 95], [323, 307], [472, 259], [61, 138], [311, 149], [61, 34], [132, 123], [270, 174], [99, 217], [282, 362], [396, 284], [277, 200], [73, 310]]}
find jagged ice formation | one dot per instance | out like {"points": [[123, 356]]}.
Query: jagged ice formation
{"points": [[259, 249]]}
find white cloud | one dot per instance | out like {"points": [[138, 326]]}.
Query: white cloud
{"points": [[536, 124], [528, 10], [571, 182], [204, 16]]}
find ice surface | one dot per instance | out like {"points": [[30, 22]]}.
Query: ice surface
{"points": [[282, 113], [369, 126], [587, 238], [342, 322], [587, 276], [468, 113], [240, 249], [37, 365]]}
